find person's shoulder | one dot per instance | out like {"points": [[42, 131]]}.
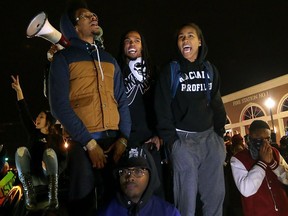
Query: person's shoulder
{"points": [[164, 69], [167, 64], [208, 63], [106, 56], [112, 207], [67, 53], [276, 150], [211, 67], [167, 205], [242, 153]]}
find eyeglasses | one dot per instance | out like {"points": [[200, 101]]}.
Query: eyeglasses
{"points": [[137, 172], [86, 16]]}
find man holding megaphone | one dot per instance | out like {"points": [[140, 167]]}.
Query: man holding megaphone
{"points": [[87, 95], [98, 39]]}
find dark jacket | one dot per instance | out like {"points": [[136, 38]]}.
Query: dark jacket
{"points": [[190, 109]]}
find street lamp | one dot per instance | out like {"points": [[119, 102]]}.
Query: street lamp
{"points": [[270, 103]]}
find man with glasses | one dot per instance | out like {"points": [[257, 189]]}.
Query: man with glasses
{"points": [[87, 95], [260, 174], [137, 177]]}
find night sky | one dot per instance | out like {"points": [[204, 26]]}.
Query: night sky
{"points": [[247, 41]]}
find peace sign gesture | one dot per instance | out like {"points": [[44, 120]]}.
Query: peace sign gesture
{"points": [[16, 86]]}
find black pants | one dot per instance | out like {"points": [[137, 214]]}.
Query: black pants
{"points": [[105, 180], [89, 188]]}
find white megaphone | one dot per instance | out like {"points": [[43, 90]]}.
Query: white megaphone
{"points": [[39, 26]]}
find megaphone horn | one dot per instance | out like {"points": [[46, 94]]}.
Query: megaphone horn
{"points": [[39, 26]]}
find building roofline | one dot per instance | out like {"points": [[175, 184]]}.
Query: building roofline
{"points": [[282, 80]]}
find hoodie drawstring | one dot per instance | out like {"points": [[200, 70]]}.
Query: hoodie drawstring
{"points": [[99, 60]]}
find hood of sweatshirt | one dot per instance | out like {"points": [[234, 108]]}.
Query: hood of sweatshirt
{"points": [[153, 184], [185, 63], [67, 28]]}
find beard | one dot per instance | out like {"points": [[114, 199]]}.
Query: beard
{"points": [[98, 32]]}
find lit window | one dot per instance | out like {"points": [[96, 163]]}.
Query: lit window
{"points": [[285, 105], [252, 112]]}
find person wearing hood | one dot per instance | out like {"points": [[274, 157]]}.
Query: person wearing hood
{"points": [[191, 122], [261, 174], [87, 96], [137, 180]]}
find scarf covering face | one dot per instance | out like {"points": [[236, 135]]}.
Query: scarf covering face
{"points": [[254, 147], [138, 69], [137, 80]]}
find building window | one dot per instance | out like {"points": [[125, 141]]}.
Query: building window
{"points": [[285, 105], [252, 112]]}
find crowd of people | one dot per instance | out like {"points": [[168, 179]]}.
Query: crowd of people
{"points": [[123, 117]]}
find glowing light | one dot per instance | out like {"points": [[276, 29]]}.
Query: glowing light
{"points": [[271, 103]]}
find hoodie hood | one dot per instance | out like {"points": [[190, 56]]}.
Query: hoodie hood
{"points": [[67, 28], [143, 159], [68, 21], [203, 50], [202, 53]]}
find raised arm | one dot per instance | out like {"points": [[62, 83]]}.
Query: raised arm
{"points": [[16, 86]]}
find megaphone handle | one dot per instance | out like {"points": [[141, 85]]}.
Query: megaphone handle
{"points": [[64, 41]]}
